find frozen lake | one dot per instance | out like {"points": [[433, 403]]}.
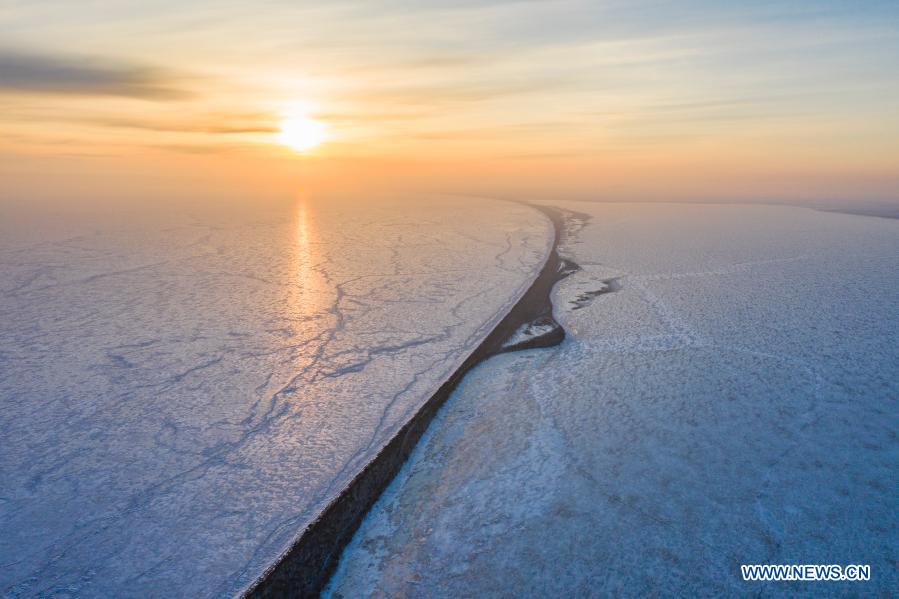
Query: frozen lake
{"points": [[181, 396], [726, 395]]}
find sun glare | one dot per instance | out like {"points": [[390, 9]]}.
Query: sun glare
{"points": [[302, 133]]}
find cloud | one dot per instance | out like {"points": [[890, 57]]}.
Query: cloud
{"points": [[186, 120], [226, 124], [33, 73]]}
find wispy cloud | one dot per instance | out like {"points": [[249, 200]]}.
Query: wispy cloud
{"points": [[41, 73], [226, 124]]}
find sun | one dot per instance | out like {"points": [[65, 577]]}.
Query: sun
{"points": [[302, 133]]}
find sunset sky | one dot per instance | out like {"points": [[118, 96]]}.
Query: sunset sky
{"points": [[596, 99]]}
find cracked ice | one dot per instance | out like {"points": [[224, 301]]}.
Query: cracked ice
{"points": [[179, 401]]}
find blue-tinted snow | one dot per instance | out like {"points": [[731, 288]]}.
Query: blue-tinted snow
{"points": [[180, 396], [734, 401]]}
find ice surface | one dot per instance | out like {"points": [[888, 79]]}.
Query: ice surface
{"points": [[527, 332], [732, 401], [178, 401]]}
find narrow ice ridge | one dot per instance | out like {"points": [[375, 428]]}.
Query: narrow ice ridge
{"points": [[304, 569]]}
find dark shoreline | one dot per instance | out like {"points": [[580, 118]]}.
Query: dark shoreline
{"points": [[305, 568]]}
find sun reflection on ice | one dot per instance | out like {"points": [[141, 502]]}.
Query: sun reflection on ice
{"points": [[309, 292]]}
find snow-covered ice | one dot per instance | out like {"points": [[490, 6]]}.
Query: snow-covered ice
{"points": [[178, 401], [726, 395]]}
